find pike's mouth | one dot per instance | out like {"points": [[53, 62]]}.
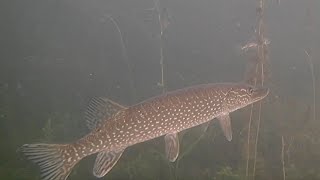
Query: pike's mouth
{"points": [[260, 93]]}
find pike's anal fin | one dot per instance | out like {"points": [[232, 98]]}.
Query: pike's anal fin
{"points": [[225, 124], [172, 146], [100, 109], [105, 161]]}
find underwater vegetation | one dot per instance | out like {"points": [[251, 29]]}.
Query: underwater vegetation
{"points": [[163, 21], [257, 78], [278, 139], [147, 161]]}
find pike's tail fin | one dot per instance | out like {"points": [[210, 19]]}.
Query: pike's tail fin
{"points": [[56, 161]]}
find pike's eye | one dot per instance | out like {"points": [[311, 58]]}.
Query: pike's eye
{"points": [[250, 90]]}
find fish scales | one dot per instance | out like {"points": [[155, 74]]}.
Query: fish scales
{"points": [[166, 114], [169, 113]]}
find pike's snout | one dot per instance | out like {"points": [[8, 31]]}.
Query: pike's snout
{"points": [[260, 93]]}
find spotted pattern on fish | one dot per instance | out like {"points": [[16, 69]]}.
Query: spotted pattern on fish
{"points": [[169, 113]]}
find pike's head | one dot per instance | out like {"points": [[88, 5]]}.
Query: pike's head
{"points": [[241, 95]]}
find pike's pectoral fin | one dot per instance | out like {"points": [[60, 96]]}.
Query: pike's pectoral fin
{"points": [[100, 109], [172, 146], [225, 124], [105, 161]]}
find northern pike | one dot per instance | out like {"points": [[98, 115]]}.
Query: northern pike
{"points": [[115, 127]]}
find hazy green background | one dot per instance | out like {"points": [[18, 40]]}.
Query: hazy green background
{"points": [[57, 54]]}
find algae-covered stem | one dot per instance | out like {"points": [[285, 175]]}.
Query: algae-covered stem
{"points": [[261, 59]]}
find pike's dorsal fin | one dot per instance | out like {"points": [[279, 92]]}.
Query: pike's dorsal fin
{"points": [[100, 109], [225, 124], [105, 161], [172, 146]]}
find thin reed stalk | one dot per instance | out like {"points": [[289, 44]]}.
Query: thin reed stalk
{"points": [[256, 141], [262, 59], [261, 46], [248, 141], [282, 159], [161, 40], [309, 59], [126, 59], [189, 149], [249, 131], [162, 83]]}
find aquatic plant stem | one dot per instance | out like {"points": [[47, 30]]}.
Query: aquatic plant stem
{"points": [[261, 59], [256, 141], [261, 54], [161, 52], [248, 141], [309, 59], [188, 150], [249, 132], [184, 153], [282, 159], [125, 57], [162, 84], [161, 40]]}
